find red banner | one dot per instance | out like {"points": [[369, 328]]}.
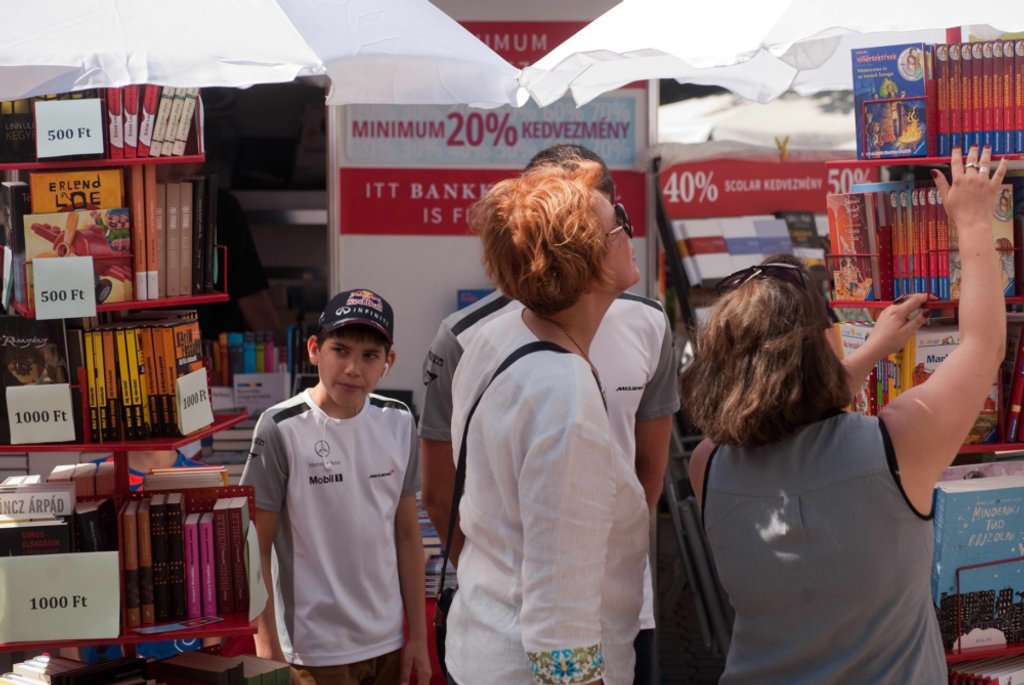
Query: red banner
{"points": [[730, 187], [523, 42], [437, 201]]}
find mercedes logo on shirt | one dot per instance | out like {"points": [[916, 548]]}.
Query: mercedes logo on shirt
{"points": [[322, 449]]}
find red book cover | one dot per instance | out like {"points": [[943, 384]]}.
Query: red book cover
{"points": [[933, 240], [955, 107], [883, 221], [193, 588], [130, 106], [1018, 94], [115, 125], [853, 246], [238, 520], [222, 547], [942, 97], [207, 565], [920, 241], [977, 94], [942, 226], [987, 100], [998, 128], [966, 107], [147, 119], [1008, 95], [897, 219]]}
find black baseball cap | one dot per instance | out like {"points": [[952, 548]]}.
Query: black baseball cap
{"points": [[362, 307]]}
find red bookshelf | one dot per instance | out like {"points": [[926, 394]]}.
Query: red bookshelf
{"points": [[99, 163], [233, 625], [930, 304], [907, 161], [190, 300]]}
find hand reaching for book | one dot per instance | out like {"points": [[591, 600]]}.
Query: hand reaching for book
{"points": [[897, 323], [972, 195]]}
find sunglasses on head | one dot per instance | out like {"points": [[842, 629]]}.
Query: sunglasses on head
{"points": [[778, 270], [622, 222]]}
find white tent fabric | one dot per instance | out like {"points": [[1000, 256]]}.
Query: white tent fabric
{"points": [[374, 51], [756, 49], [801, 123]]}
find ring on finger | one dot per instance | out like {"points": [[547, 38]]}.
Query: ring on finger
{"points": [[972, 165], [983, 170]]}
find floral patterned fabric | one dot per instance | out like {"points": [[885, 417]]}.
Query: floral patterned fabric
{"points": [[559, 666]]}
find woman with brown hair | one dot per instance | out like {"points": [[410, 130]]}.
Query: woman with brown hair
{"points": [[819, 520], [551, 572]]}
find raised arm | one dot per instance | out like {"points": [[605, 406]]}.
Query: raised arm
{"points": [[928, 423]]}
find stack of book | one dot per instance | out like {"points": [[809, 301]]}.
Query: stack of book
{"points": [[892, 239], [711, 249], [18, 130], [243, 352], [60, 671], [182, 565], [1003, 670], [202, 667], [36, 518], [916, 99]]}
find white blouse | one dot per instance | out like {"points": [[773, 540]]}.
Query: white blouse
{"points": [[551, 574]]}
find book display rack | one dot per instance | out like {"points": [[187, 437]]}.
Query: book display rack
{"points": [[55, 613]]}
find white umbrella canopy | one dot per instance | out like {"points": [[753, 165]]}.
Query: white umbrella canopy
{"points": [[374, 51], [756, 49]]}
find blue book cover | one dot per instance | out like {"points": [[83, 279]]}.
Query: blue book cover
{"points": [[891, 86], [978, 521]]}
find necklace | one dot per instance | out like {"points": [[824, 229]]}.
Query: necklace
{"points": [[565, 332]]}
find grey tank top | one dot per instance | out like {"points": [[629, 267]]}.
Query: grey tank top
{"points": [[824, 560]]}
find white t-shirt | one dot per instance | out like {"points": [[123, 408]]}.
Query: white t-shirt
{"points": [[555, 521], [336, 484], [632, 350]]}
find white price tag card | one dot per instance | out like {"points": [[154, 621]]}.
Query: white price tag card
{"points": [[193, 400], [59, 597], [40, 413], [64, 287], [68, 127]]}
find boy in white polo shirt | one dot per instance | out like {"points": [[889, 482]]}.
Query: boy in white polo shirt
{"points": [[336, 470]]}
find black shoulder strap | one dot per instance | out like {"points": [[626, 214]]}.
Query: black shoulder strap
{"points": [[460, 468]]}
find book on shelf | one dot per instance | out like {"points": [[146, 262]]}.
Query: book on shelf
{"points": [[95, 526], [105, 235], [32, 353], [130, 109], [174, 514], [200, 667], [17, 131], [193, 584], [115, 124], [147, 118], [212, 476], [222, 560], [238, 530], [163, 114], [130, 564], [147, 585], [15, 203], [853, 236], [1005, 670], [978, 521], [34, 536], [986, 469], [161, 565], [207, 564]]}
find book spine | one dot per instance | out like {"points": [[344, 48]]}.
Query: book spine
{"points": [[161, 568], [109, 350], [955, 107], [147, 119], [239, 579], [147, 336], [1008, 142], [147, 591], [977, 95], [163, 113], [88, 537], [200, 219], [130, 561], [163, 382], [170, 368], [222, 545], [130, 106], [185, 126], [137, 200], [185, 217], [966, 107], [998, 128], [173, 120], [124, 373], [933, 241], [161, 238], [207, 565], [115, 124], [193, 588], [152, 242], [172, 233], [99, 378], [176, 560], [91, 387], [942, 97], [140, 377], [987, 101], [1018, 94]]}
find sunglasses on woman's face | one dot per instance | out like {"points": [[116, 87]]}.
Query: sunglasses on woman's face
{"points": [[778, 270], [622, 222]]}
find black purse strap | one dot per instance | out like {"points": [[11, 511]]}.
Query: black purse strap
{"points": [[460, 468]]}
